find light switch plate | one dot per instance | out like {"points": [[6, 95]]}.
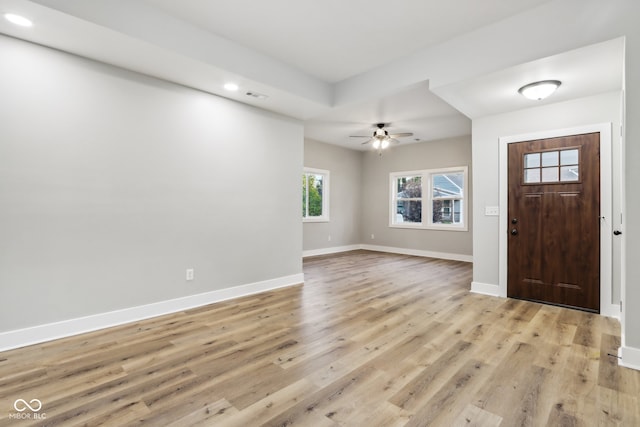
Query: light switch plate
{"points": [[492, 210]]}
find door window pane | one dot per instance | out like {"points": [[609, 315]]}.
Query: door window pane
{"points": [[569, 173], [550, 174], [532, 160], [549, 158], [531, 175], [569, 157]]}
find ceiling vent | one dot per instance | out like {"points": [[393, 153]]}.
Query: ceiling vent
{"points": [[257, 95]]}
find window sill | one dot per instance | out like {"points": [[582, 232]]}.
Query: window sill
{"points": [[323, 219], [430, 227]]}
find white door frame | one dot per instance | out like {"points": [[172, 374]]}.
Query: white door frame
{"points": [[607, 308]]}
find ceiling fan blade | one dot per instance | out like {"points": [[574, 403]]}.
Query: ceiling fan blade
{"points": [[400, 135], [359, 136], [366, 142]]}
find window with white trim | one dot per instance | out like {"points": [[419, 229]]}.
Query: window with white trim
{"points": [[442, 193], [315, 195]]}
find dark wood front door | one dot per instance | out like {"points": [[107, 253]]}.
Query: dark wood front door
{"points": [[554, 221]]}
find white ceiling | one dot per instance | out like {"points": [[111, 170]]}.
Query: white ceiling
{"points": [[338, 65], [414, 109], [589, 70], [336, 39]]}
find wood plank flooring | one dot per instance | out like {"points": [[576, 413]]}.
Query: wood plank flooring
{"points": [[371, 339]]}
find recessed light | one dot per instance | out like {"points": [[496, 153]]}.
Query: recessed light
{"points": [[231, 86], [539, 90], [18, 20]]}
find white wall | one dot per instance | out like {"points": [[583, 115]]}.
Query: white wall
{"points": [[375, 197], [113, 183], [631, 228], [345, 170]]}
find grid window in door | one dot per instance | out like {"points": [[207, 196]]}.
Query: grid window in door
{"points": [[549, 167]]}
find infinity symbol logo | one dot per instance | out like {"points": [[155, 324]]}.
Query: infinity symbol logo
{"points": [[21, 405]]}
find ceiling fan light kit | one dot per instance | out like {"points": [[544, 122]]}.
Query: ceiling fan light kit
{"points": [[381, 139]]}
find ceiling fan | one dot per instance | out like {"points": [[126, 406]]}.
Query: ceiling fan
{"points": [[381, 138]]}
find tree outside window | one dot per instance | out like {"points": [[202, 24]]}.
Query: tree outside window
{"points": [[409, 199], [315, 195]]}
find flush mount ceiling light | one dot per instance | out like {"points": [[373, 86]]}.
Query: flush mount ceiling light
{"points": [[231, 87], [539, 90], [18, 20]]}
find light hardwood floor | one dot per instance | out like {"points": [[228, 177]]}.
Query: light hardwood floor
{"points": [[371, 339]]}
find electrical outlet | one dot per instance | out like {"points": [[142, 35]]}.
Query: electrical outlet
{"points": [[329, 238], [372, 236], [190, 273]]}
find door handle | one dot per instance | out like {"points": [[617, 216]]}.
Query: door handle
{"points": [[617, 232], [514, 231]]}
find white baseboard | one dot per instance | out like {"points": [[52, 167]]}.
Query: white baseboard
{"points": [[52, 331], [388, 249], [485, 289], [328, 251], [610, 310], [418, 252], [629, 357]]}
